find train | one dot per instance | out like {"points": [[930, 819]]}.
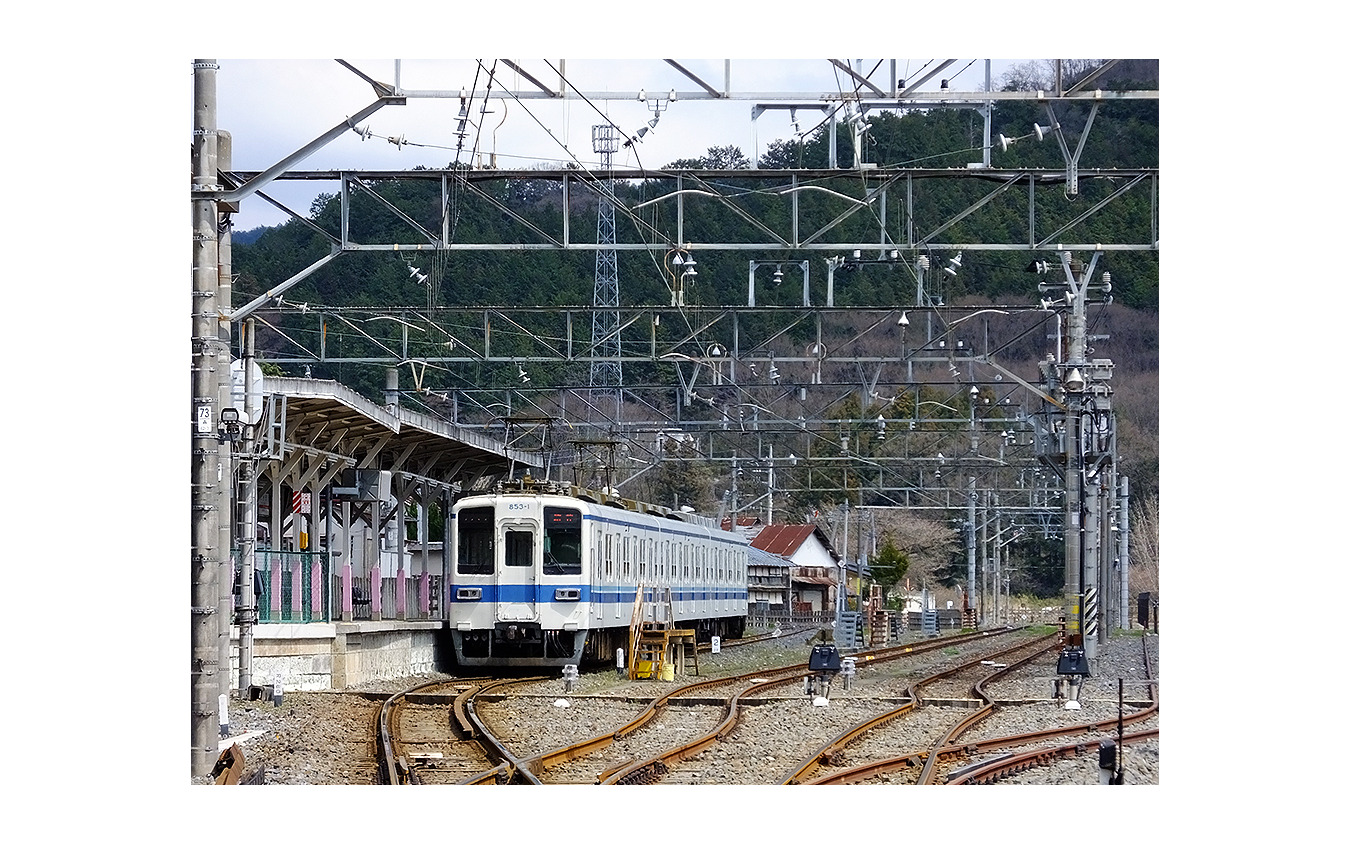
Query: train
{"points": [[551, 575]]}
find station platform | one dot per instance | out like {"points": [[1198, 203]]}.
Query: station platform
{"points": [[322, 656]]}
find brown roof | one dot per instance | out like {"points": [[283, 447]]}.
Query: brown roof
{"points": [[786, 540], [821, 581]]}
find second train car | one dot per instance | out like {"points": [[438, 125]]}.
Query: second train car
{"points": [[549, 576]]}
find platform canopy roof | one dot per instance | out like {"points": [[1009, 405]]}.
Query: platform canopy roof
{"points": [[324, 424]]}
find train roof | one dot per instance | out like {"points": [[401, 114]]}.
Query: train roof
{"points": [[531, 486]]}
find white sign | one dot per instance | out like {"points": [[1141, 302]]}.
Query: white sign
{"points": [[717, 644], [237, 395], [204, 419]]}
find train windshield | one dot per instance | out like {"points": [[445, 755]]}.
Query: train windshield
{"points": [[562, 540], [474, 542]]}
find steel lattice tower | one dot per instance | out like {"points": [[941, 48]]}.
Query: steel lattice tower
{"points": [[606, 374]]}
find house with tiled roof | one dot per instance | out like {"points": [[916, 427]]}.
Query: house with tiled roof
{"points": [[814, 564]]}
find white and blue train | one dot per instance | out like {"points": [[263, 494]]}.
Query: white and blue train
{"points": [[549, 576]]}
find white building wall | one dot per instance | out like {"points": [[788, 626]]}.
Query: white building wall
{"points": [[813, 553]]}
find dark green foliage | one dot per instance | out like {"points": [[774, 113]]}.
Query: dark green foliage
{"points": [[889, 565]]}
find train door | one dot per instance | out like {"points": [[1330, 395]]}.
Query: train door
{"points": [[517, 571]]}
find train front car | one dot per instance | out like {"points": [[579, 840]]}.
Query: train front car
{"points": [[518, 592], [549, 577]]}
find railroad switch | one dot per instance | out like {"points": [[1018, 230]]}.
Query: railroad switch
{"points": [[1073, 664], [824, 664]]}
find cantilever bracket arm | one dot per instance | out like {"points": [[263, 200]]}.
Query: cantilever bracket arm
{"points": [[240, 313], [382, 89], [301, 154], [1014, 376]]}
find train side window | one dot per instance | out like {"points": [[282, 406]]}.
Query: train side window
{"points": [[519, 548], [474, 542]]}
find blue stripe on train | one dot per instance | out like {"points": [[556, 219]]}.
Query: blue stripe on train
{"points": [[527, 594]]}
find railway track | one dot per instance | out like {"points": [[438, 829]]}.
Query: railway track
{"points": [[746, 692], [702, 732], [912, 721], [433, 733], [419, 742], [955, 760]]}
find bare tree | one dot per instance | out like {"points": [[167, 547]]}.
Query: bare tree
{"points": [[928, 543], [1144, 550], [1039, 74]]}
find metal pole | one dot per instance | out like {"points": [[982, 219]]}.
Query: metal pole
{"points": [[988, 109], [401, 537], [970, 549], [227, 460], [1092, 600], [248, 481], [996, 575], [846, 546], [1123, 550], [205, 555]]}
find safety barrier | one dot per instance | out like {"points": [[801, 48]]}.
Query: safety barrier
{"points": [[292, 586]]}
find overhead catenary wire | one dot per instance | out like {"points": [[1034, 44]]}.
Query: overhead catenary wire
{"points": [[640, 222]]}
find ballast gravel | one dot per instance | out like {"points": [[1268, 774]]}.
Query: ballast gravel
{"points": [[327, 737]]}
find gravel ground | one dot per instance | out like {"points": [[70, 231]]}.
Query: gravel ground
{"points": [[325, 737]]}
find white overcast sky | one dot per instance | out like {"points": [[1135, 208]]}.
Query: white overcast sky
{"points": [[273, 107]]}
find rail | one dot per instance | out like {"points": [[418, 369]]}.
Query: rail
{"points": [[992, 769]]}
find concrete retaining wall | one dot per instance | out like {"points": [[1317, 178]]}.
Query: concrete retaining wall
{"points": [[321, 656]]}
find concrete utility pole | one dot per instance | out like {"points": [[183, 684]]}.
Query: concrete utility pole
{"points": [[206, 476], [1089, 452]]}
